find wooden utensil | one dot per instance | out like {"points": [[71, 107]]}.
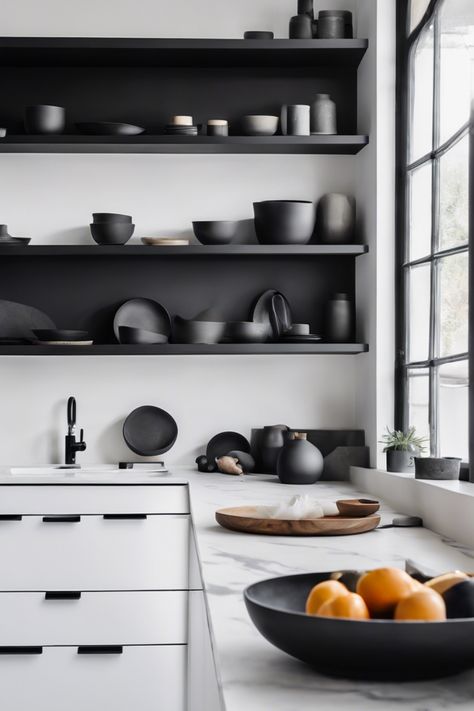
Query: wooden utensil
{"points": [[357, 507], [248, 520]]}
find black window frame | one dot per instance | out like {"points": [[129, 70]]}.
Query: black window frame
{"points": [[405, 44]]}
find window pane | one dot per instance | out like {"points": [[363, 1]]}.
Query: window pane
{"points": [[419, 313], [420, 212], [454, 195], [453, 410], [421, 140], [455, 19], [418, 402], [453, 304], [417, 10]]}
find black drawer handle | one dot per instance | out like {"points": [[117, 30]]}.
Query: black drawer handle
{"points": [[10, 517], [21, 650], [124, 517], [62, 595], [100, 649], [61, 519]]}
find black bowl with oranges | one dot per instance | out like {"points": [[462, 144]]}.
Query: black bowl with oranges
{"points": [[390, 627]]}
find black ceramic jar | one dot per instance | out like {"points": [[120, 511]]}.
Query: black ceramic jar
{"points": [[44, 119], [339, 319], [299, 462], [301, 27]]}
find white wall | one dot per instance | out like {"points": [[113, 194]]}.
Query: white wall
{"points": [[51, 197]]}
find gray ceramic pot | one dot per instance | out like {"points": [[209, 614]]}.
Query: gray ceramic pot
{"points": [[339, 319], [437, 468], [299, 462], [323, 115], [399, 460], [297, 121], [331, 24], [301, 27], [335, 219]]}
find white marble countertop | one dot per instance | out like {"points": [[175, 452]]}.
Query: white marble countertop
{"points": [[254, 675]]}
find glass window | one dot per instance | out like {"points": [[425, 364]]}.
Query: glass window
{"points": [[435, 270]]}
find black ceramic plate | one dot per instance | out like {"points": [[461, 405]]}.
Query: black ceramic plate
{"points": [[224, 442], [146, 314], [58, 335], [15, 242], [149, 431], [262, 312], [109, 128], [18, 321], [357, 649]]}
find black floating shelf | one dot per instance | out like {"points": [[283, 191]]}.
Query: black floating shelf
{"points": [[189, 349], [307, 145], [193, 250], [139, 52]]}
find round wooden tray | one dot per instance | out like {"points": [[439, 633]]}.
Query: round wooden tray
{"points": [[246, 519]]}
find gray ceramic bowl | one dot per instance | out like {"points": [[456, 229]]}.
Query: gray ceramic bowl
{"points": [[259, 125], [215, 231], [110, 217], [246, 332], [110, 233], [189, 331], [140, 337]]}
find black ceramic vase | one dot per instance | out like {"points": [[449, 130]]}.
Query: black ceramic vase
{"points": [[399, 460], [299, 462], [301, 27], [43, 119], [273, 439], [305, 7], [335, 219], [339, 319]]}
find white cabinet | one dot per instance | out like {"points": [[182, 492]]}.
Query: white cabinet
{"points": [[77, 552], [142, 677], [100, 570]]}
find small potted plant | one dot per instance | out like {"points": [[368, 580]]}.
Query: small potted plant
{"points": [[401, 448]]}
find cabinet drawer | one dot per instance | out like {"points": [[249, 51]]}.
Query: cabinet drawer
{"points": [[73, 618], [94, 553], [145, 678], [97, 499]]}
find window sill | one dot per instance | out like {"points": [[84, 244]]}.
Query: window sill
{"points": [[446, 507]]}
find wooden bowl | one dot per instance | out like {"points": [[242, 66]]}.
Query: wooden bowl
{"points": [[357, 507]]}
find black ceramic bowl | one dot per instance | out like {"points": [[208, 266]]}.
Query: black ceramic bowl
{"points": [[110, 217], [372, 649], [110, 233], [193, 331], [284, 221], [246, 332], [215, 231], [139, 336]]}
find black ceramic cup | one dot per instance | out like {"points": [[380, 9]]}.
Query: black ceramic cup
{"points": [[44, 119]]}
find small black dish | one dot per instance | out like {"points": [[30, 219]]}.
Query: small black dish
{"points": [[198, 331], [309, 338], [245, 332], [138, 336], [108, 128], [374, 650], [149, 431], [146, 314], [224, 442], [258, 35], [60, 334], [111, 233]]}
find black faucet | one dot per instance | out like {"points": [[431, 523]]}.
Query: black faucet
{"points": [[71, 445]]}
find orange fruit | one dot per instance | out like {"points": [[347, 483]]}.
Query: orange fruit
{"points": [[323, 592], [383, 588], [421, 605], [350, 606]]}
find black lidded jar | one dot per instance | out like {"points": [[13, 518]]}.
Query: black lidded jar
{"points": [[339, 319]]}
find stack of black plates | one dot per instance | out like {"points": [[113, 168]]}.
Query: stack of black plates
{"points": [[177, 130]]}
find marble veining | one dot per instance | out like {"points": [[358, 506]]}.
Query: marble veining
{"points": [[255, 676]]}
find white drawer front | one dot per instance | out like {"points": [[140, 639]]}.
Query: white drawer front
{"points": [[94, 554], [94, 618], [99, 499], [144, 678]]}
